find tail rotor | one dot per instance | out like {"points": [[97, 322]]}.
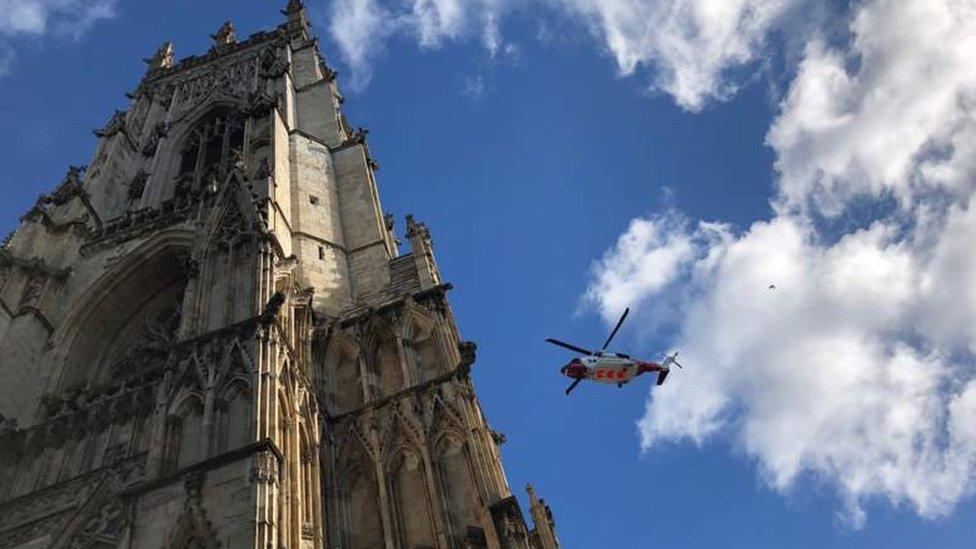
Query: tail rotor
{"points": [[673, 359], [668, 361]]}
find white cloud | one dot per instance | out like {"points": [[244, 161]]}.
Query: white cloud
{"points": [[37, 17], [690, 44], [831, 373], [361, 27], [34, 18], [689, 47], [859, 370], [895, 113], [474, 87], [648, 257], [436, 20]]}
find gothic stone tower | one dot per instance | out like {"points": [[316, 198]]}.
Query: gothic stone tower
{"points": [[208, 337]]}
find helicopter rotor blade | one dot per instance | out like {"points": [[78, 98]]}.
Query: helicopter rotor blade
{"points": [[571, 347], [617, 327], [673, 359], [573, 385]]}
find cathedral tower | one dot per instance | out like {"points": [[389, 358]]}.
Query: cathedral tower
{"points": [[209, 338]]}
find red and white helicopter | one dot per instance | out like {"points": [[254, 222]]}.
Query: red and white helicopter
{"points": [[606, 367]]}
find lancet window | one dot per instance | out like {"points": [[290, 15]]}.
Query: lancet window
{"points": [[210, 148]]}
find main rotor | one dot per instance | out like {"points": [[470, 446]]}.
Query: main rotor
{"points": [[606, 344]]}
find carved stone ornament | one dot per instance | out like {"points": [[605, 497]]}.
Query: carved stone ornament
{"points": [[265, 469], [468, 350], [194, 485], [416, 228], [152, 143], [162, 59], [498, 436], [138, 185], [293, 7], [327, 72], [193, 530], [114, 125], [263, 171], [271, 65], [104, 526], [225, 35], [33, 291], [260, 104], [234, 79]]}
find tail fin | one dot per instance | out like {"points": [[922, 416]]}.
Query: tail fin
{"points": [[662, 376]]}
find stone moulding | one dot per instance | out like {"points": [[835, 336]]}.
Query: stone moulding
{"points": [[34, 266], [49, 511], [263, 445], [459, 372], [136, 224]]}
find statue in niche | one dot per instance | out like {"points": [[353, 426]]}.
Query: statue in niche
{"points": [[33, 292]]}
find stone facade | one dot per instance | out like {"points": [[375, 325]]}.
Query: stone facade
{"points": [[208, 337]]}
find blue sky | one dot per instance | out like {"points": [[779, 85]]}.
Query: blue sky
{"points": [[573, 157]]}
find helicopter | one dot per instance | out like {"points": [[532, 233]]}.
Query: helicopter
{"points": [[607, 367]]}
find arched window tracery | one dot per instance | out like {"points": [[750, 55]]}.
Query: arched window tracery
{"points": [[456, 484], [386, 373], [420, 348], [209, 149], [186, 439], [362, 519], [234, 416], [308, 479], [411, 512], [346, 380]]}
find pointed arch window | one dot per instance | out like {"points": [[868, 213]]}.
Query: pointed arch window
{"points": [[234, 417], [457, 488], [362, 522], [210, 148], [411, 514], [420, 350]]}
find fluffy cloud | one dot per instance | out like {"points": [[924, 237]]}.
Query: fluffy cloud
{"points": [[892, 114], [71, 18], [834, 372], [691, 44], [649, 257], [688, 46], [361, 27], [859, 369]]}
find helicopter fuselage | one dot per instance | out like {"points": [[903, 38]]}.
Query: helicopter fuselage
{"points": [[608, 368]]}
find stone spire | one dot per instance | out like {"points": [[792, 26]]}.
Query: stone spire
{"points": [[225, 35], [422, 246], [162, 59], [294, 9], [297, 22], [545, 526]]}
